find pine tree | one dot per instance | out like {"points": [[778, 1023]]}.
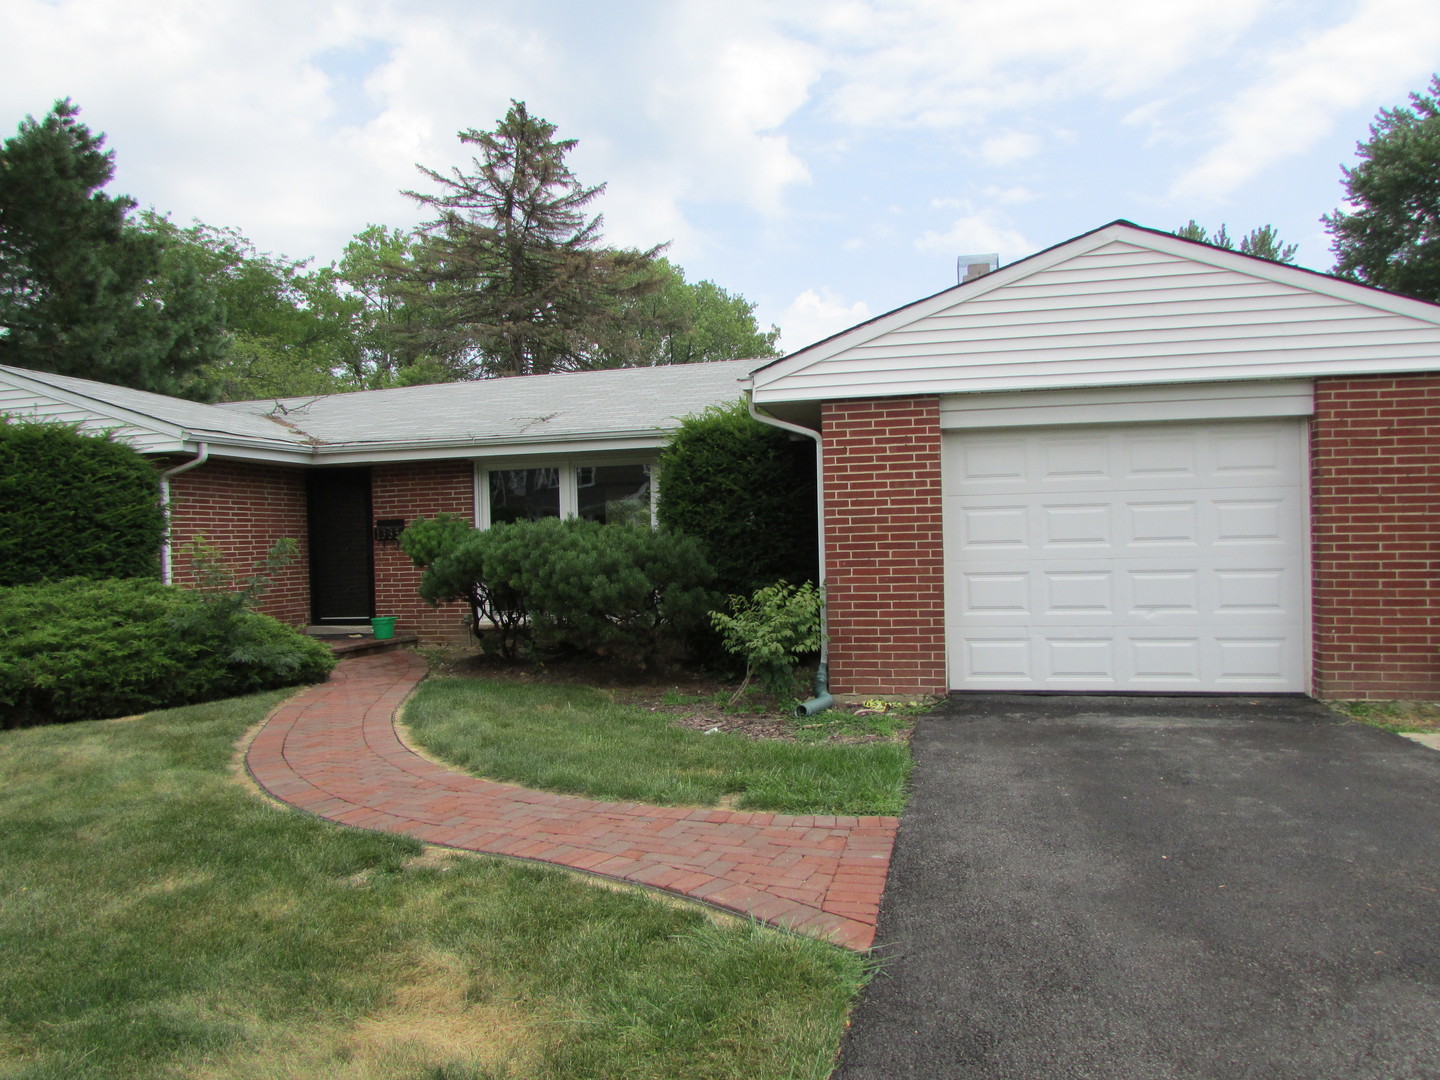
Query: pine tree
{"points": [[512, 265], [1392, 237], [82, 289], [1263, 243]]}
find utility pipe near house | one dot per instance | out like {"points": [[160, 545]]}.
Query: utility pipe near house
{"points": [[822, 699], [202, 455]]}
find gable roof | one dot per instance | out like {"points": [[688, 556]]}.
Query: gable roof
{"points": [[1119, 306], [625, 408]]}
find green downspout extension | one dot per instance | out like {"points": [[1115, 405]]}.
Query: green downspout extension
{"points": [[822, 699]]}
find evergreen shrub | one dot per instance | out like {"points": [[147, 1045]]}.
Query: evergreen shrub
{"points": [[75, 505], [746, 490], [84, 649], [625, 591]]}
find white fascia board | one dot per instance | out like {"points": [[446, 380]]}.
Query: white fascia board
{"points": [[379, 454], [372, 454], [1213, 401], [971, 383]]}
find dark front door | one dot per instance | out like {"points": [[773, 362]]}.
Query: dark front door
{"points": [[342, 573]]}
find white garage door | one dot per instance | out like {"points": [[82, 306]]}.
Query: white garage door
{"points": [[1159, 557]]}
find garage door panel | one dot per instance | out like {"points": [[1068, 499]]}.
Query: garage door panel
{"points": [[1137, 459], [1045, 526], [1160, 577], [1067, 660], [1074, 593]]}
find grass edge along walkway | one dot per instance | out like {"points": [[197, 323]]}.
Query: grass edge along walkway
{"points": [[332, 750]]}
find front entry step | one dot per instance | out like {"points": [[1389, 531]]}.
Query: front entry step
{"points": [[359, 640]]}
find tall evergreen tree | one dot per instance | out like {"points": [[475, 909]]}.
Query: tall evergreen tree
{"points": [[83, 290], [1391, 238], [512, 264]]}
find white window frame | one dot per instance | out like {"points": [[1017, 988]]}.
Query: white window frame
{"points": [[569, 486]]}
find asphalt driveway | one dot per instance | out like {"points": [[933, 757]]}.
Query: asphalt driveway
{"points": [[1135, 888]]}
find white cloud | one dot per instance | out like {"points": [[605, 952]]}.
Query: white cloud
{"points": [[1372, 58], [1009, 147], [1010, 196], [230, 111], [815, 315], [948, 64], [976, 234]]}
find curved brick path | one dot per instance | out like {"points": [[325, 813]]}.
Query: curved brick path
{"points": [[332, 750]]}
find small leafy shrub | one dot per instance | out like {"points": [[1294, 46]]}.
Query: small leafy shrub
{"points": [[82, 650], [747, 491], [74, 505], [771, 630], [625, 591]]}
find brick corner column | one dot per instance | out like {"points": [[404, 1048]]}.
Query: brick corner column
{"points": [[1375, 537], [884, 548]]}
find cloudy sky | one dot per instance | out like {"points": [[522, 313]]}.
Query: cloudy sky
{"points": [[829, 159]]}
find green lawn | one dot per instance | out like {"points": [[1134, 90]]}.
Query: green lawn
{"points": [[159, 920], [577, 740]]}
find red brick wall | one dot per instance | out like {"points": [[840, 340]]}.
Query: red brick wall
{"points": [[241, 509], [883, 547], [410, 491], [1375, 483]]}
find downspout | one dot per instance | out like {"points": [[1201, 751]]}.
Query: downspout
{"points": [[202, 455], [822, 699]]}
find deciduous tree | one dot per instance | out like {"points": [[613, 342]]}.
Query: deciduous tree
{"points": [[683, 322]]}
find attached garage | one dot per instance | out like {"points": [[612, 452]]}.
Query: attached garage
{"points": [[1130, 463], [1127, 557]]}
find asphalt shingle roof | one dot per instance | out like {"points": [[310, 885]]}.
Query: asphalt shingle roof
{"points": [[536, 408]]}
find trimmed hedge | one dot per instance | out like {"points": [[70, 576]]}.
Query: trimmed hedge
{"points": [[86, 650], [625, 591], [74, 505], [747, 491]]}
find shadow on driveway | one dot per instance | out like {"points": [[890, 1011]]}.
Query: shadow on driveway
{"points": [[1138, 887]]}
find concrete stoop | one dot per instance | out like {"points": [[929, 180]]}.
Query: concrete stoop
{"points": [[359, 640]]}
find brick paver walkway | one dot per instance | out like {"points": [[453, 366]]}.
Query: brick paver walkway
{"points": [[332, 750]]}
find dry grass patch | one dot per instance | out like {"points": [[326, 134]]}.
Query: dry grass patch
{"points": [[431, 1025], [1397, 716]]}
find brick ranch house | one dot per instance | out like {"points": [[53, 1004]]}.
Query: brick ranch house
{"points": [[343, 473], [1129, 463]]}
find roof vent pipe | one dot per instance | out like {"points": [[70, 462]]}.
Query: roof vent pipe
{"points": [[969, 267]]}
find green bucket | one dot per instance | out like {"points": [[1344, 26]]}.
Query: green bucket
{"points": [[384, 625]]}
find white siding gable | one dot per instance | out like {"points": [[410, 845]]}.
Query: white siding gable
{"points": [[1121, 306], [23, 403]]}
